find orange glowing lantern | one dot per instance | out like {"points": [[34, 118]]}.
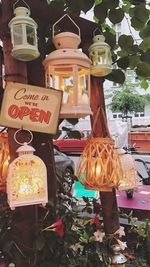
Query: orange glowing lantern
{"points": [[27, 179], [4, 160], [99, 166]]}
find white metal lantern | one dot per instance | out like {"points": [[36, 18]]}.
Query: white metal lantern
{"points": [[27, 179], [23, 35], [68, 69], [129, 178], [100, 55]]}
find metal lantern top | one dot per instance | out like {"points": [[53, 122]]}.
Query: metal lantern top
{"points": [[117, 258], [99, 53], [23, 34], [67, 51]]}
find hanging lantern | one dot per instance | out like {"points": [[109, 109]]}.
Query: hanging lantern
{"points": [[4, 160], [100, 55], [99, 166], [27, 178], [23, 34], [117, 259], [68, 69], [129, 179]]}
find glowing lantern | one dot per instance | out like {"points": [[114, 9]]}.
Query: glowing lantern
{"points": [[68, 69], [129, 178], [4, 160], [99, 53], [99, 166], [27, 179], [23, 34]]}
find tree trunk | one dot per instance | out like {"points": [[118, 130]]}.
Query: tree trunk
{"points": [[108, 199]]}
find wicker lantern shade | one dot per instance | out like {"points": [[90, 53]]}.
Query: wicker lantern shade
{"points": [[4, 160], [99, 166], [129, 178]]}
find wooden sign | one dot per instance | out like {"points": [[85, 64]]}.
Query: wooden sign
{"points": [[31, 107]]}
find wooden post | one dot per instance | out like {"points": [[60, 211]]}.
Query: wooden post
{"points": [[108, 199], [16, 71]]}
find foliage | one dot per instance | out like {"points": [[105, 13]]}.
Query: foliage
{"points": [[127, 100], [71, 234], [127, 52]]}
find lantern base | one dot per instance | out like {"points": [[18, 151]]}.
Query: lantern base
{"points": [[100, 71], [25, 53], [68, 111]]}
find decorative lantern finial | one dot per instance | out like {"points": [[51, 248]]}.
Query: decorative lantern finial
{"points": [[68, 69], [27, 178], [99, 53], [23, 34]]}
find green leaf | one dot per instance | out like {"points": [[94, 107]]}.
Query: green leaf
{"points": [[116, 76], [143, 69], [145, 32], [116, 15], [125, 41], [100, 12], [122, 53], [136, 23], [144, 84], [134, 61], [141, 13], [146, 56], [123, 62], [110, 39], [86, 5], [145, 44]]}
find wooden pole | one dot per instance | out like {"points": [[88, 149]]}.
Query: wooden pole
{"points": [[16, 71], [108, 199]]}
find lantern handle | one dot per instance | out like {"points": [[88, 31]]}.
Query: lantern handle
{"points": [[97, 29], [15, 136], [100, 109], [53, 29], [18, 2]]}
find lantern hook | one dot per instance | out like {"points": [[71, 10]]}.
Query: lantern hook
{"points": [[23, 129], [97, 29], [18, 2], [65, 15]]}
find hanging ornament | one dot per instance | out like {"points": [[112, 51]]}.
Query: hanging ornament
{"points": [[27, 178], [129, 179], [100, 55], [99, 165], [23, 34], [68, 69]]}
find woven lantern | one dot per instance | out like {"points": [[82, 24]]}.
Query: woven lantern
{"points": [[129, 179], [68, 69], [27, 179], [4, 160], [99, 166]]}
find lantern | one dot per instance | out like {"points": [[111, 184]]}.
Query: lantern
{"points": [[27, 179], [129, 178], [68, 69], [23, 34], [117, 259], [99, 53], [99, 166], [4, 160]]}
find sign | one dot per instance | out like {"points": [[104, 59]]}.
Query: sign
{"points": [[31, 107]]}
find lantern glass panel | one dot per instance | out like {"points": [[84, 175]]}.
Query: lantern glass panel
{"points": [[83, 87], [18, 34], [27, 183], [30, 35]]}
